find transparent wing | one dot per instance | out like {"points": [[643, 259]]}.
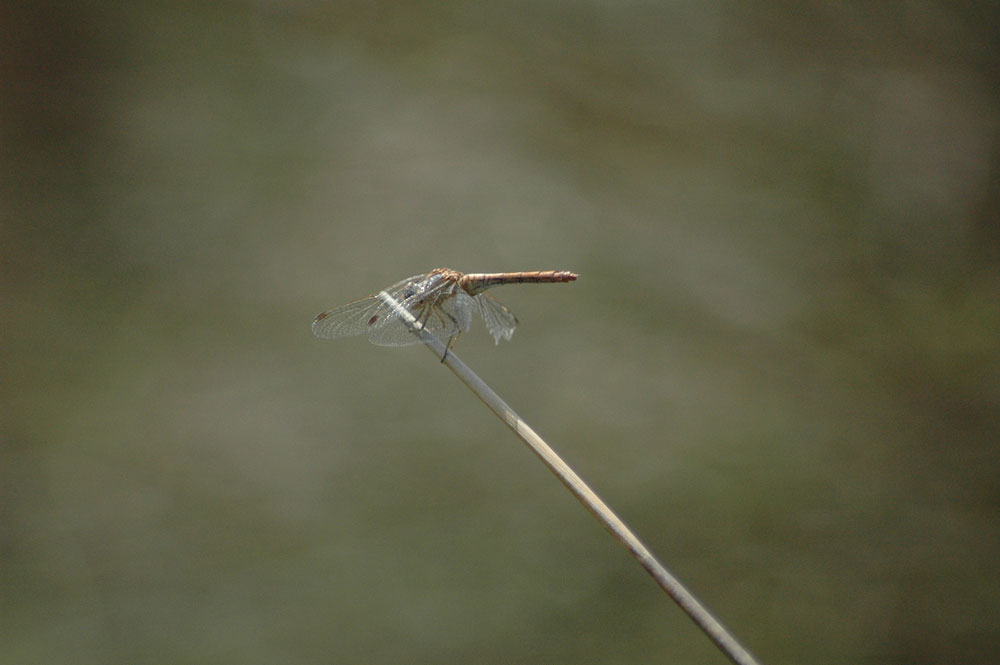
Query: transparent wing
{"points": [[499, 320], [443, 311], [371, 316], [348, 320]]}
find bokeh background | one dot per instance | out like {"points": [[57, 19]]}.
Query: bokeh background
{"points": [[780, 365]]}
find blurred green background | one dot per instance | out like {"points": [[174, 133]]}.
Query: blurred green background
{"points": [[780, 364]]}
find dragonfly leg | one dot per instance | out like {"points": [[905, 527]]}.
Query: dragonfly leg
{"points": [[440, 314], [423, 314], [452, 341]]}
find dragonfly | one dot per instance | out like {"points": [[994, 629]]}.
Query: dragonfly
{"points": [[442, 301]]}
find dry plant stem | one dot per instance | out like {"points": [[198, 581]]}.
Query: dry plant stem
{"points": [[691, 606]]}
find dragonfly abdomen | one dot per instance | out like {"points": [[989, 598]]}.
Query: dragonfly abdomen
{"points": [[475, 283]]}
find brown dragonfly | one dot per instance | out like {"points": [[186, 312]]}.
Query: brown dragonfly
{"points": [[442, 301]]}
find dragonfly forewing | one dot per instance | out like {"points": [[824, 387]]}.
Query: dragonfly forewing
{"points": [[369, 316], [354, 318], [391, 330], [443, 310]]}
